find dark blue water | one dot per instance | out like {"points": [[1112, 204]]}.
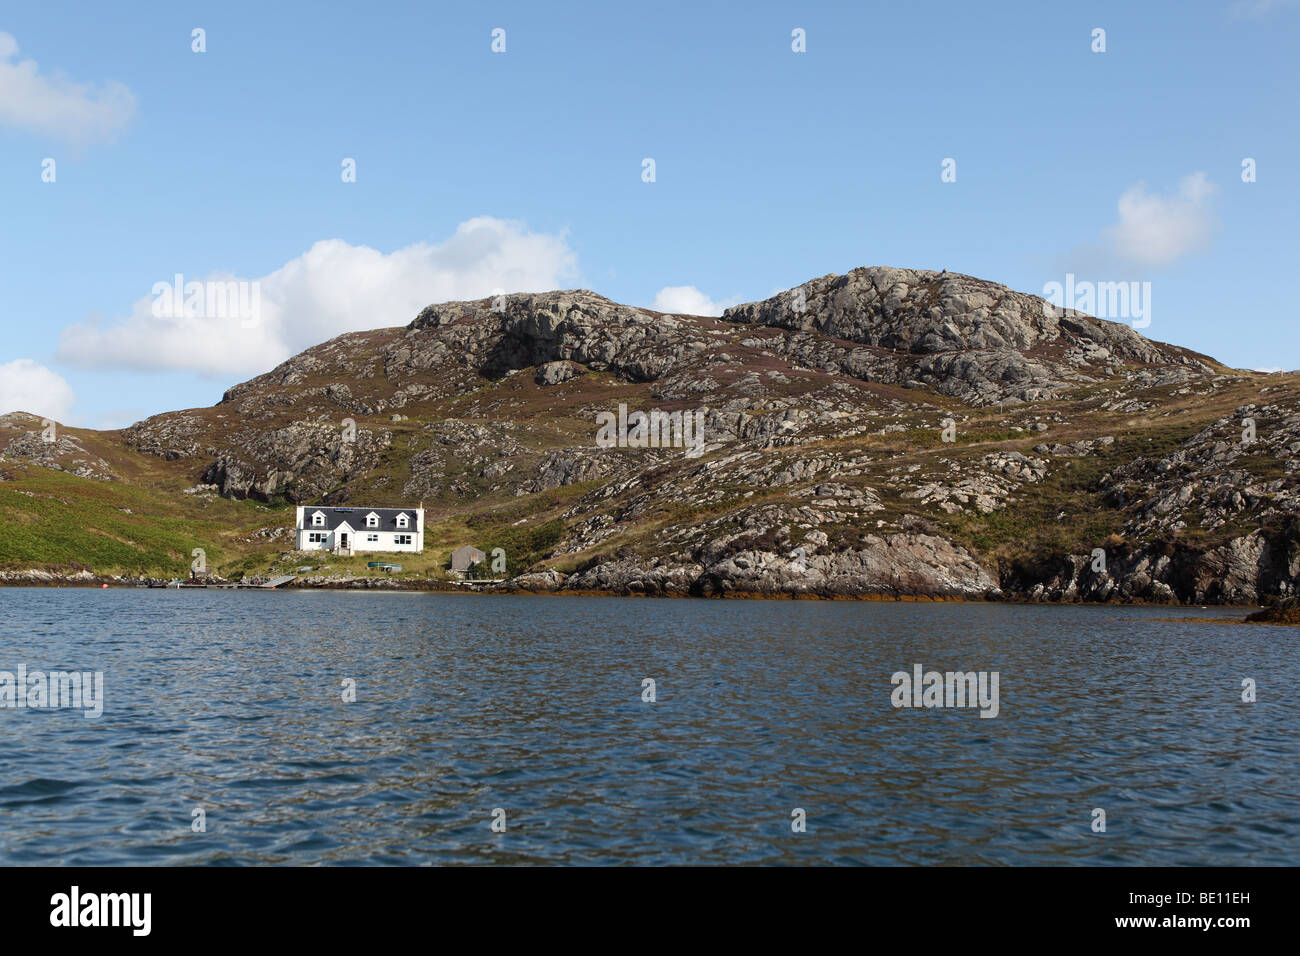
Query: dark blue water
{"points": [[232, 701]]}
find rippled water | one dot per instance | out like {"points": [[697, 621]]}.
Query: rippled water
{"points": [[232, 701]]}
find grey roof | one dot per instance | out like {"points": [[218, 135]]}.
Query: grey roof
{"points": [[356, 517]]}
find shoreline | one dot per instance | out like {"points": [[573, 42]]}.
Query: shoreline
{"points": [[45, 579]]}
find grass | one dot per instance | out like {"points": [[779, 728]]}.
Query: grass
{"points": [[525, 546], [1263, 467], [54, 520]]}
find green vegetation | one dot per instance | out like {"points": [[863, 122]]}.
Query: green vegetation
{"points": [[524, 546], [54, 520]]}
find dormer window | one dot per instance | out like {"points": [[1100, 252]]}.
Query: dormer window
{"points": [[403, 521], [318, 520], [372, 520]]}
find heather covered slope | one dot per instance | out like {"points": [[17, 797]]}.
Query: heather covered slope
{"points": [[825, 468]]}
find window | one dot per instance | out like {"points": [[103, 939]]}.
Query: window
{"points": [[403, 521], [372, 521], [318, 520], [316, 537], [372, 538], [401, 539]]}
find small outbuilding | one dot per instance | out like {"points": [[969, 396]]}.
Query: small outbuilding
{"points": [[465, 557]]}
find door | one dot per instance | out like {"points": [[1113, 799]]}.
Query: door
{"points": [[343, 541]]}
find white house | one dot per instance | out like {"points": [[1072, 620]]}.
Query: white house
{"points": [[351, 530]]}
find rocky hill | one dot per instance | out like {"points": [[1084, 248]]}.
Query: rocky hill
{"points": [[888, 432]]}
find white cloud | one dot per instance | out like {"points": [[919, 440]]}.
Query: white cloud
{"points": [[1157, 230], [26, 386], [332, 288], [688, 300], [55, 105]]}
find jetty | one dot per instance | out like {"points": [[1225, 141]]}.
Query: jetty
{"points": [[276, 582], [270, 585]]}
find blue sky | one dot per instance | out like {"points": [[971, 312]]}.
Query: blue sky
{"points": [[522, 170]]}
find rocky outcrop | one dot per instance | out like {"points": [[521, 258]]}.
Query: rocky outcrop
{"points": [[566, 467], [896, 565], [1246, 570], [300, 462], [975, 340], [167, 436], [1285, 612], [545, 328], [36, 443], [556, 373]]}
